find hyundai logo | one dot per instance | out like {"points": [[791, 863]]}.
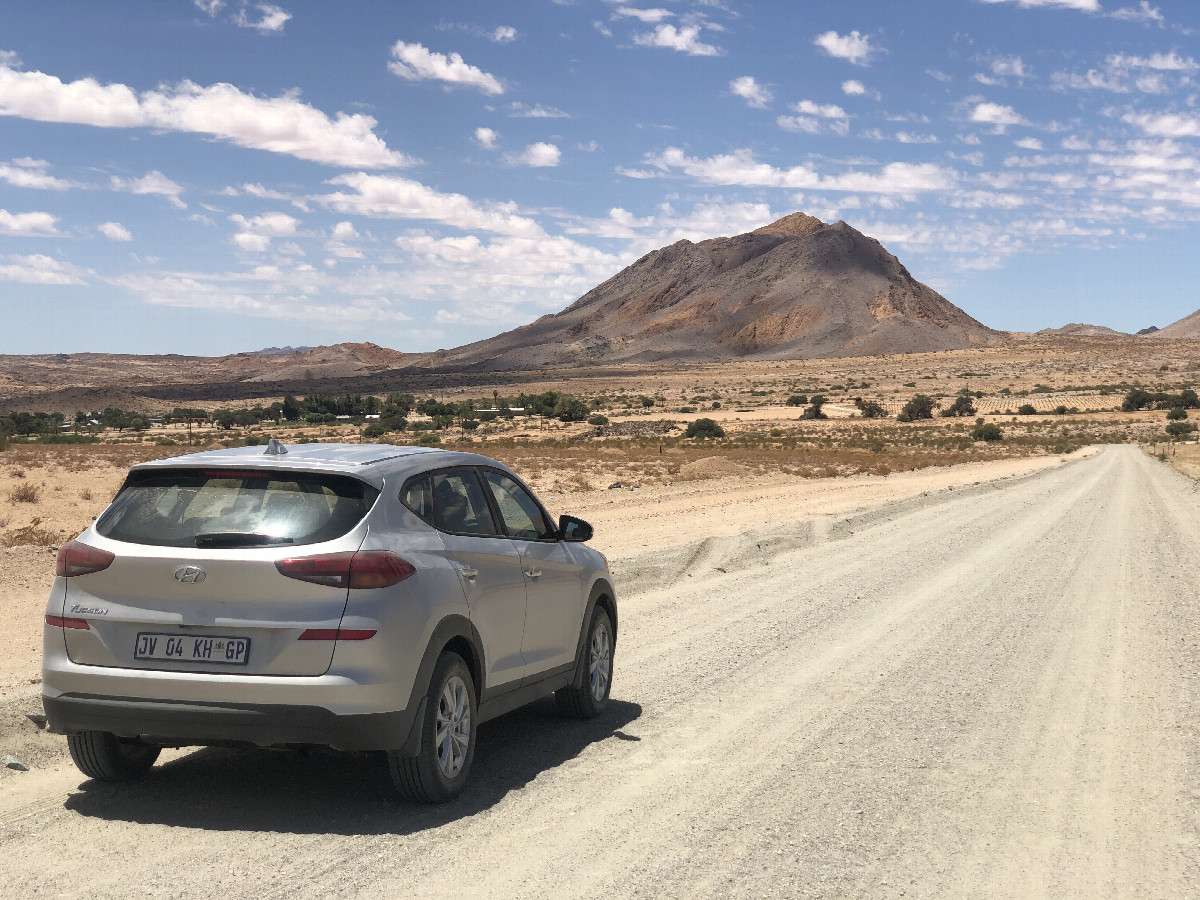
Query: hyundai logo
{"points": [[189, 574]]}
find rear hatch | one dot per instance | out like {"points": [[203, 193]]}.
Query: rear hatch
{"points": [[195, 582]]}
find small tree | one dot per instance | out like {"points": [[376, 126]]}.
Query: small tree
{"points": [[704, 428], [813, 410], [869, 409], [1180, 430], [1026, 409], [797, 400], [1177, 414], [960, 408], [919, 407]]}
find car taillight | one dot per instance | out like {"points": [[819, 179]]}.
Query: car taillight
{"points": [[67, 622], [364, 569], [75, 558]]}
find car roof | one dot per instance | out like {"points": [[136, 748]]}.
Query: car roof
{"points": [[370, 462]]}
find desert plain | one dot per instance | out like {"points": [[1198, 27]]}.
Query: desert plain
{"points": [[857, 657]]}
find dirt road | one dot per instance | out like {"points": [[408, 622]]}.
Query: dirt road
{"points": [[987, 691]]}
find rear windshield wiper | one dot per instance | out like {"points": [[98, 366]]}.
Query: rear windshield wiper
{"points": [[239, 539]]}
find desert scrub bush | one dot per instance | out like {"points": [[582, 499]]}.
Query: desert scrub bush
{"points": [[704, 428], [919, 407], [597, 420], [797, 400], [1180, 430], [17, 473], [85, 494], [1026, 409], [24, 493], [31, 535], [987, 432], [1177, 414]]}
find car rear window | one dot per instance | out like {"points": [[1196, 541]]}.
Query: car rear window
{"points": [[228, 508]]}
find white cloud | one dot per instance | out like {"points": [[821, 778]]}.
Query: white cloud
{"points": [[275, 224], [416, 62], [684, 39], [29, 224], [649, 16], [115, 231], [32, 173], [1029, 143], [153, 182], [272, 18], [996, 114], [278, 124], [252, 243], [537, 111], [1081, 5], [486, 138], [540, 155], [825, 111], [814, 118], [1143, 12], [503, 34], [1009, 67], [212, 7], [1075, 143], [344, 231], [1172, 125], [1162, 62], [39, 269], [853, 47], [392, 197], [751, 91], [741, 168], [907, 137], [853, 88]]}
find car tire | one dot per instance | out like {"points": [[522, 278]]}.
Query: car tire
{"points": [[106, 757], [440, 769], [589, 699]]}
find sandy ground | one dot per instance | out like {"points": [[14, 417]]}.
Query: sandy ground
{"points": [[884, 688]]}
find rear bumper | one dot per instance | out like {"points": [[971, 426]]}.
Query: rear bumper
{"points": [[186, 723]]}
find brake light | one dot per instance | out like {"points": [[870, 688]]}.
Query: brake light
{"points": [[76, 558], [337, 634], [364, 569], [67, 622]]}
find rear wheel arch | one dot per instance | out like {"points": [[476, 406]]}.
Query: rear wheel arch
{"points": [[459, 635]]}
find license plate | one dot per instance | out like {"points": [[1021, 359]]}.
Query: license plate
{"points": [[231, 651]]}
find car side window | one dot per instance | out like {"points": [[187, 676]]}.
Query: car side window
{"points": [[459, 504], [418, 497], [523, 518]]}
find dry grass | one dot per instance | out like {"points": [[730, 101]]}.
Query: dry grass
{"points": [[31, 535], [24, 493]]}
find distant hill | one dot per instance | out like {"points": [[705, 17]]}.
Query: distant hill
{"points": [[1186, 328], [1080, 329], [1151, 330], [797, 288]]}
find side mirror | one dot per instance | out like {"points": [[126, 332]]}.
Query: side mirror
{"points": [[573, 529]]}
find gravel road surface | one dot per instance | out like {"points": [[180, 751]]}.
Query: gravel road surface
{"points": [[981, 692]]}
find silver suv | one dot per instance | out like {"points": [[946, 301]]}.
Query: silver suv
{"points": [[354, 596]]}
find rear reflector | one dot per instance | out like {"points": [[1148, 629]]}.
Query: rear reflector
{"points": [[364, 569], [76, 558], [67, 622], [337, 634]]}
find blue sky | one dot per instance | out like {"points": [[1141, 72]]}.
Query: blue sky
{"points": [[198, 176]]}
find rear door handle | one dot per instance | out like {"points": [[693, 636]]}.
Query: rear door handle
{"points": [[467, 573], [533, 573]]}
